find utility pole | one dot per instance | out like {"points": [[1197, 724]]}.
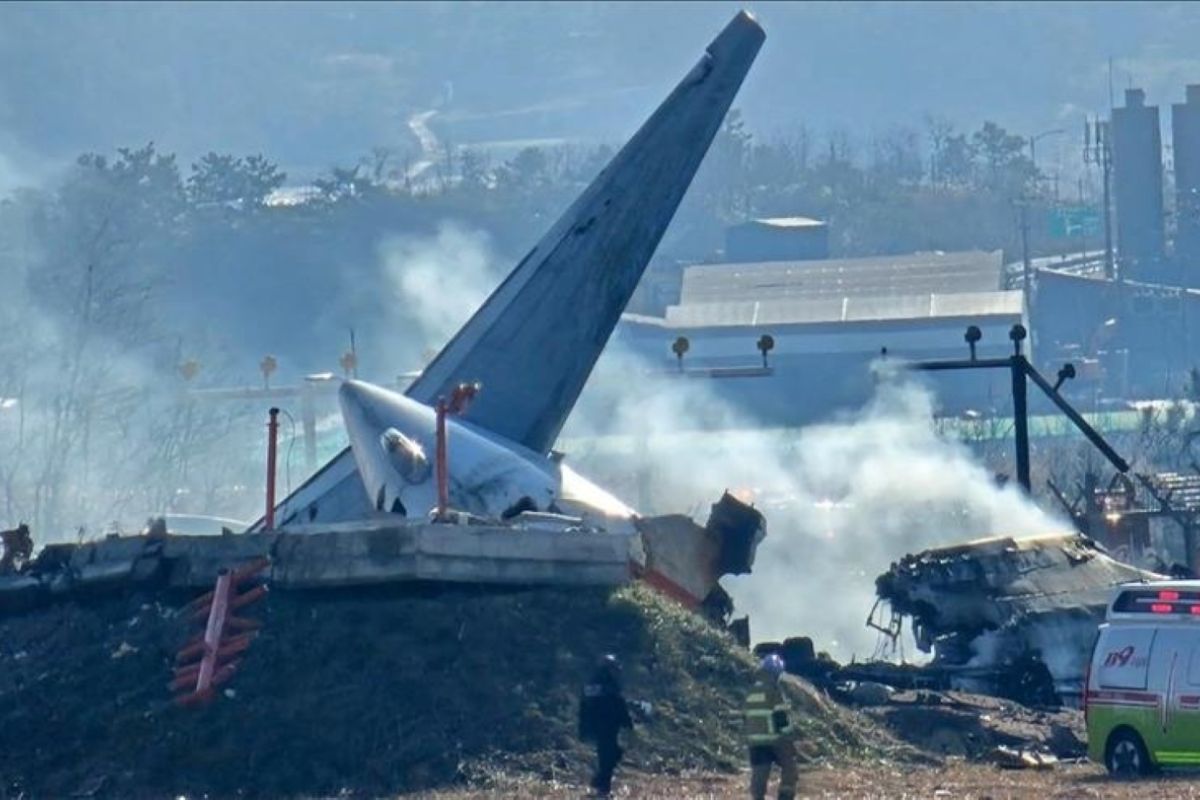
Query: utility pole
{"points": [[1097, 149], [1020, 407], [1033, 140], [1026, 264]]}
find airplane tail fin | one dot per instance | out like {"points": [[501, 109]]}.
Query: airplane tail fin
{"points": [[535, 340]]}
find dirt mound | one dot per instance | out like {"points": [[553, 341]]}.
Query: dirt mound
{"points": [[370, 693]]}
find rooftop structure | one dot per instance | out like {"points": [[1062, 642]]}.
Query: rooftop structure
{"points": [[803, 311], [914, 274], [812, 328], [777, 238]]}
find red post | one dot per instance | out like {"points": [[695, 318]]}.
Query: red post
{"points": [[443, 476], [462, 395], [213, 631], [272, 435], [210, 658]]}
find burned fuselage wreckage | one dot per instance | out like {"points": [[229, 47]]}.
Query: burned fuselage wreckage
{"points": [[1007, 616], [1004, 615]]}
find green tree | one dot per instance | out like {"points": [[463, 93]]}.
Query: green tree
{"points": [[219, 179], [956, 164], [526, 171], [1006, 168]]}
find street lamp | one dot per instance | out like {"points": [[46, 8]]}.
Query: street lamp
{"points": [[1026, 263], [679, 347], [1033, 140]]}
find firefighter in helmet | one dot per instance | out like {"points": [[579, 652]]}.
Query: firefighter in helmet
{"points": [[769, 732]]}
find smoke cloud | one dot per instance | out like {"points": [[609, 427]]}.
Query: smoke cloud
{"points": [[843, 500], [439, 281]]}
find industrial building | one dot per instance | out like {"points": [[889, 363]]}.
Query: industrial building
{"points": [[777, 239], [1139, 331], [827, 321], [1143, 337], [1185, 129], [1138, 186], [1134, 332]]}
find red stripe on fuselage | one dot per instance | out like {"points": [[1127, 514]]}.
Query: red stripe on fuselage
{"points": [[664, 585]]}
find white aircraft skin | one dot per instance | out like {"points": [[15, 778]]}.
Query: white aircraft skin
{"points": [[393, 438]]}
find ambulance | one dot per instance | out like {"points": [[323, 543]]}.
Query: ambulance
{"points": [[1141, 695]]}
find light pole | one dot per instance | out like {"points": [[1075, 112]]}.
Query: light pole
{"points": [[1026, 264], [1033, 140], [1098, 150]]}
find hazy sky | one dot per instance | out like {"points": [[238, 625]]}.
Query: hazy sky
{"points": [[314, 84]]}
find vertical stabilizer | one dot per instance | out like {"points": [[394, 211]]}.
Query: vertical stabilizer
{"points": [[534, 342]]}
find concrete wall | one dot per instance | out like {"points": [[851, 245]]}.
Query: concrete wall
{"points": [[331, 556]]}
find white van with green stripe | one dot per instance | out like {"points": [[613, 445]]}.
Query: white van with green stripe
{"points": [[1141, 696]]}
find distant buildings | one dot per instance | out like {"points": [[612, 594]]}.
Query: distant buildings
{"points": [[777, 239], [1185, 126], [1142, 329], [1138, 186], [829, 319]]}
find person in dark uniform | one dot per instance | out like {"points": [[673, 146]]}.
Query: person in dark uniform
{"points": [[603, 712], [18, 549]]}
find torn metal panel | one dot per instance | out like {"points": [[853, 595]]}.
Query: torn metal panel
{"points": [[686, 561], [991, 605]]}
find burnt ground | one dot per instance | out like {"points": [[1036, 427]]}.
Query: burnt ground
{"points": [[369, 693]]}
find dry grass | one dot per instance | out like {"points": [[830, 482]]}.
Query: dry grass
{"points": [[956, 780]]}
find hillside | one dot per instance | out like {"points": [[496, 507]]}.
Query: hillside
{"points": [[371, 693]]}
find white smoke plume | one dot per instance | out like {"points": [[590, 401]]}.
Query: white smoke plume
{"points": [[843, 500], [439, 281]]}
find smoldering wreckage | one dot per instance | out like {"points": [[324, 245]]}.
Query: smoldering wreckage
{"points": [[495, 508]]}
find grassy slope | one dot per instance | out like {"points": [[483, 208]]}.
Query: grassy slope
{"points": [[372, 692]]}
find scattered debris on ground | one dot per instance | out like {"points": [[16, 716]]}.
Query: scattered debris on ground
{"points": [[974, 726], [938, 722], [1011, 758], [374, 692]]}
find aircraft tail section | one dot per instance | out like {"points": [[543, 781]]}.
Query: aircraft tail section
{"points": [[534, 342]]}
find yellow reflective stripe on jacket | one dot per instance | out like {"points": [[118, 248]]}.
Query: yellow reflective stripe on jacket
{"points": [[762, 703]]}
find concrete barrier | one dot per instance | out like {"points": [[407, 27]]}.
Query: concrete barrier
{"points": [[330, 556]]}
